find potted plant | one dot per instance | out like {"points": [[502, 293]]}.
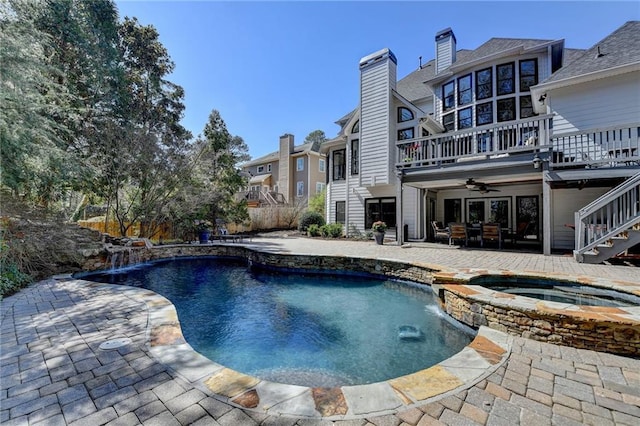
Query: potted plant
{"points": [[204, 231], [379, 229]]}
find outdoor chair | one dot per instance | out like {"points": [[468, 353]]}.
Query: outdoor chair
{"points": [[491, 232], [440, 232], [457, 232]]}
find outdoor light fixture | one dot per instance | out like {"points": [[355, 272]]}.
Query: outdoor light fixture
{"points": [[537, 162]]}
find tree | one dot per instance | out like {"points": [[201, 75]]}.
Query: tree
{"points": [[316, 137], [218, 154]]}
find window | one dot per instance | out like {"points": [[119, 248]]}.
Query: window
{"points": [[339, 164], [448, 96], [340, 211], [300, 164], [484, 83], [484, 113], [526, 107], [506, 109], [404, 114], [260, 169], [300, 189], [506, 79], [527, 223], [449, 122], [321, 165], [269, 167], [465, 118], [465, 95], [383, 209], [452, 211], [356, 127], [528, 74], [319, 187], [494, 210], [404, 134], [475, 211], [355, 145]]}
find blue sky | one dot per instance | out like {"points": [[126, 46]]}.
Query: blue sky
{"points": [[292, 66]]}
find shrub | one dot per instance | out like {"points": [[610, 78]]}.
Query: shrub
{"points": [[332, 230], [310, 218], [314, 230]]}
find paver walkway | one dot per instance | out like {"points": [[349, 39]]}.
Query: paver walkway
{"points": [[53, 372]]}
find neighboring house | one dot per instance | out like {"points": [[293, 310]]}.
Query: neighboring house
{"points": [[290, 175], [517, 131]]}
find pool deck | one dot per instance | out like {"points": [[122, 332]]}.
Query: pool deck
{"points": [[54, 372]]}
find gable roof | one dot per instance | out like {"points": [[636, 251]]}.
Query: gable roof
{"points": [[275, 156], [622, 47]]}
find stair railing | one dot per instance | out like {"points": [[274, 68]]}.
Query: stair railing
{"points": [[607, 216]]}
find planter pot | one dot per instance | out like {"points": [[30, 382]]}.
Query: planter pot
{"points": [[203, 236], [379, 236]]}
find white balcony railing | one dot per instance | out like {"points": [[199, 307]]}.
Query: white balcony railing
{"points": [[489, 141], [610, 147]]}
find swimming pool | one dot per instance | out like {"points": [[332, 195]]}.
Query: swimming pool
{"points": [[304, 329]]}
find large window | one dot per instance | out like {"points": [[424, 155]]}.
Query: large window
{"points": [[506, 109], [449, 121], [404, 114], [300, 189], [355, 157], [528, 74], [448, 96], [505, 79], [404, 134], [526, 107], [339, 165], [300, 164], [465, 118], [484, 83], [465, 95], [383, 209], [340, 211], [484, 113]]}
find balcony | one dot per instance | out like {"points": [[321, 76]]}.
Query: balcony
{"points": [[474, 144]]}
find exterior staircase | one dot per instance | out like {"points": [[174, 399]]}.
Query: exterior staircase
{"points": [[609, 225]]}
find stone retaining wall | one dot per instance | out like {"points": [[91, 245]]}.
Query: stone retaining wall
{"points": [[592, 329]]}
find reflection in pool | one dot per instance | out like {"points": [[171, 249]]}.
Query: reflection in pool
{"points": [[311, 329]]}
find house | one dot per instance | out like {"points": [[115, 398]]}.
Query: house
{"points": [[291, 174], [521, 132]]}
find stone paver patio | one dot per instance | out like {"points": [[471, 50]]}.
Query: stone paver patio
{"points": [[53, 371]]}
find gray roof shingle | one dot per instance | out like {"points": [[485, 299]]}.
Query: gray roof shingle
{"points": [[622, 47]]}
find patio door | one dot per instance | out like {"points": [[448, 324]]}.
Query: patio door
{"points": [[489, 210]]}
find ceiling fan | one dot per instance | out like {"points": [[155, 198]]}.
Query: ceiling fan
{"points": [[481, 187]]}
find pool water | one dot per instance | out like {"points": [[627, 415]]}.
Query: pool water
{"points": [[558, 291], [304, 329]]}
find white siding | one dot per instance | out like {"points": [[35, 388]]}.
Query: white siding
{"points": [[336, 191], [410, 210], [375, 105], [597, 104], [565, 204]]}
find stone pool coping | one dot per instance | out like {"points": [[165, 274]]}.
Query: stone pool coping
{"points": [[165, 342]]}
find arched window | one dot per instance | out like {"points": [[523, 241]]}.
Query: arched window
{"points": [[404, 114], [356, 127]]}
